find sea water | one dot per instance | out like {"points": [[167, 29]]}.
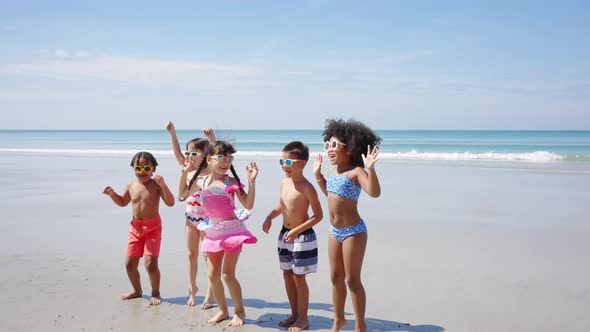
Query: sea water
{"points": [[489, 146]]}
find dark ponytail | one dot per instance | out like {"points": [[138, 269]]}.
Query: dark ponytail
{"points": [[206, 149], [233, 172]]}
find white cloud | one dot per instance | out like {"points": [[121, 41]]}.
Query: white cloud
{"points": [[81, 54], [143, 72], [377, 77], [64, 54], [61, 53]]}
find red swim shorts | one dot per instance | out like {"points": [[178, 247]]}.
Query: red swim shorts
{"points": [[145, 237]]}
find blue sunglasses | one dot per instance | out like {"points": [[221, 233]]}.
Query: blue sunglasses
{"points": [[288, 162]]}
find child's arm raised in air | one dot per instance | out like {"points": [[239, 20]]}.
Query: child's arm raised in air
{"points": [[247, 199], [317, 172], [118, 199], [175, 145], [183, 190], [166, 194], [273, 214], [316, 208], [368, 179], [210, 135]]}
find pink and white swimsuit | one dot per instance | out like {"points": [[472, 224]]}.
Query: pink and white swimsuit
{"points": [[226, 235], [194, 211]]}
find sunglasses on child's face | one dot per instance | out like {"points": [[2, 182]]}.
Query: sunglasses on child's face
{"points": [[221, 158], [332, 145], [192, 153], [288, 162], [146, 168]]}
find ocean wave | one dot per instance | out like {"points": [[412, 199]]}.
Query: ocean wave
{"points": [[535, 156], [577, 158]]}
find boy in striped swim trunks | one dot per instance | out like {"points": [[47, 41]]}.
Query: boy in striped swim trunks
{"points": [[297, 243]]}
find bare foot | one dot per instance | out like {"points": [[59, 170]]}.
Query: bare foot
{"points": [[362, 328], [132, 295], [155, 300], [191, 301], [288, 322], [339, 325], [207, 305], [299, 325], [219, 317], [191, 297], [238, 320]]}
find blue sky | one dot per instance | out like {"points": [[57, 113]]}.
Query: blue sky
{"points": [[291, 65]]}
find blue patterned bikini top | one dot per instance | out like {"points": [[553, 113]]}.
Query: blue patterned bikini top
{"points": [[343, 186]]}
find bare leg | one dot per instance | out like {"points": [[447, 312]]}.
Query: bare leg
{"points": [[302, 322], [151, 265], [209, 301], [131, 264], [192, 243], [214, 266], [353, 249], [337, 274], [291, 288], [235, 290]]}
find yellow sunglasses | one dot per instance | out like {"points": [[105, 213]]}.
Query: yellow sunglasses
{"points": [[146, 168]]}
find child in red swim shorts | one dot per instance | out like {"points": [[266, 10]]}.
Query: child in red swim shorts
{"points": [[145, 233]]}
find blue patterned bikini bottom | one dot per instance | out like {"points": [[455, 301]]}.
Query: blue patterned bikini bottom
{"points": [[343, 233]]}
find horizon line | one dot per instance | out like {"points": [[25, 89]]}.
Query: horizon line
{"points": [[320, 129]]}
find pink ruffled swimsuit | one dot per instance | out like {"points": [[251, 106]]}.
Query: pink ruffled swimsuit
{"points": [[227, 235], [194, 211]]}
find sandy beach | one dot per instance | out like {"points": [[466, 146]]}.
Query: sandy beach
{"points": [[451, 248]]}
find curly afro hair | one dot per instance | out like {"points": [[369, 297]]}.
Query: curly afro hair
{"points": [[354, 134]]}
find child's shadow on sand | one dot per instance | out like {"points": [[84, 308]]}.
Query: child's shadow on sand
{"points": [[324, 323], [182, 300], [270, 320], [261, 304], [248, 303]]}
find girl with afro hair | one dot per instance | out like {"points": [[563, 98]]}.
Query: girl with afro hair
{"points": [[352, 150]]}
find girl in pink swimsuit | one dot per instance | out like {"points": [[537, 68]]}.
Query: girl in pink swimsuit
{"points": [[225, 231], [194, 213]]}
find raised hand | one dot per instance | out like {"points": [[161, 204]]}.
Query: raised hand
{"points": [[209, 134], [371, 157], [159, 180], [317, 166], [108, 191], [252, 170], [187, 166], [170, 126]]}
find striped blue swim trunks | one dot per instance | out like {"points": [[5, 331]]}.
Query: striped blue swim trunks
{"points": [[301, 255]]}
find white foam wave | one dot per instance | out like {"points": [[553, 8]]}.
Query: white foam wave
{"points": [[536, 156]]}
